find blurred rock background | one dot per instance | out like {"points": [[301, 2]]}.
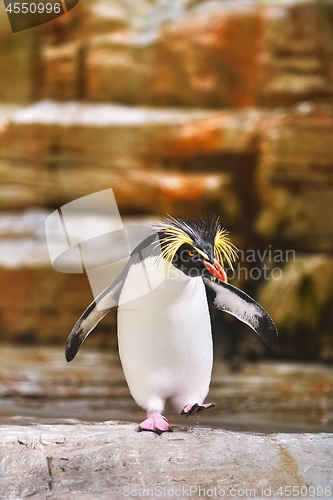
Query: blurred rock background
{"points": [[182, 107]]}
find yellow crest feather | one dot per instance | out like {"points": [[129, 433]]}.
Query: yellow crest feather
{"points": [[174, 237], [223, 247], [173, 240]]}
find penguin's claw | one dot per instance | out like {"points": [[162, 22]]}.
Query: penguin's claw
{"points": [[155, 422], [193, 408]]}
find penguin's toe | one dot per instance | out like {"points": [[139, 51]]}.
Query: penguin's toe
{"points": [[155, 422], [193, 408]]}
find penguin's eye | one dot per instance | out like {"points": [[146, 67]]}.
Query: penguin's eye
{"points": [[191, 253]]}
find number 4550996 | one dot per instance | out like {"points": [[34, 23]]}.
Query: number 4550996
{"points": [[31, 8], [304, 491]]}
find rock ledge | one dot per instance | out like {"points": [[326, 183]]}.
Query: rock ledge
{"points": [[110, 460]]}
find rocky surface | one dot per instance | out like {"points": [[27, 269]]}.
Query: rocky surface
{"points": [[262, 170], [182, 108], [107, 460], [37, 385], [294, 178], [18, 62], [303, 311], [189, 53], [71, 150], [43, 306], [182, 55]]}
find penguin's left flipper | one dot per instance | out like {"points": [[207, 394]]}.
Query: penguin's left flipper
{"points": [[230, 299]]}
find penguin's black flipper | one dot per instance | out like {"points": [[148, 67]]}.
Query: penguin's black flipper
{"points": [[93, 314], [106, 300], [230, 299]]}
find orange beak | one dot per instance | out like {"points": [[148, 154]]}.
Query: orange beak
{"points": [[216, 270]]}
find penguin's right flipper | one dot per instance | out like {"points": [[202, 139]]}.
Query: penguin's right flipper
{"points": [[106, 300], [93, 314]]}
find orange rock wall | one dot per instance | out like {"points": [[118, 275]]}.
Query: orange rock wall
{"points": [[41, 305], [201, 106]]}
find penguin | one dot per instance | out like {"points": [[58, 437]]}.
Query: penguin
{"points": [[164, 295]]}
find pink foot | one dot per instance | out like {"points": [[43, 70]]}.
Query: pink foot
{"points": [[192, 408], [155, 422]]}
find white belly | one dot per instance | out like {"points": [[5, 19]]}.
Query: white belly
{"points": [[165, 341]]}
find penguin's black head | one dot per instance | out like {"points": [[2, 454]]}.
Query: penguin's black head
{"points": [[198, 247]]}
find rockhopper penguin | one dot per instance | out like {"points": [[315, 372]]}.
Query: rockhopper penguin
{"points": [[164, 332]]}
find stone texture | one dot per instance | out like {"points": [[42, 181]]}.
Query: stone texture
{"points": [[272, 167], [186, 62], [61, 71], [52, 153], [43, 305], [37, 385], [202, 53], [18, 63], [297, 53], [100, 460], [182, 54], [268, 173], [294, 178], [303, 311]]}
